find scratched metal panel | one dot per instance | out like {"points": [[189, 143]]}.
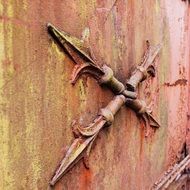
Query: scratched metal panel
{"points": [[38, 104]]}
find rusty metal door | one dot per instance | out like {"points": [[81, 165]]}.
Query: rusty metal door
{"points": [[38, 104]]}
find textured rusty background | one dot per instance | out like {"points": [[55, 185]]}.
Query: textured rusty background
{"points": [[38, 104]]}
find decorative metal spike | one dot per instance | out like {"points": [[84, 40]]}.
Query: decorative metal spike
{"points": [[73, 155], [65, 40], [85, 64], [145, 68], [141, 109], [82, 145], [172, 174]]}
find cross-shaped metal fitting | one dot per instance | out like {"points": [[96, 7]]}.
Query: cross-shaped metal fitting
{"points": [[84, 64]]}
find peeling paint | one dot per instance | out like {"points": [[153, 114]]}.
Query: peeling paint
{"points": [[181, 82]]}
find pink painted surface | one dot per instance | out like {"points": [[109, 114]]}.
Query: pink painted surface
{"points": [[38, 104]]}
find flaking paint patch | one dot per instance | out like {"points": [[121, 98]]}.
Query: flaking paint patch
{"points": [[54, 50], [8, 43], [15, 147], [10, 8], [2, 54], [56, 58], [55, 53], [25, 5], [1, 8], [83, 10], [8, 30], [164, 58], [7, 177], [32, 147], [157, 6]]}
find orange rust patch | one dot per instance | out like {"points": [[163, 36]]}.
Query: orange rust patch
{"points": [[85, 179]]}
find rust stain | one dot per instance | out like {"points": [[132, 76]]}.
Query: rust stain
{"points": [[180, 82], [85, 179]]}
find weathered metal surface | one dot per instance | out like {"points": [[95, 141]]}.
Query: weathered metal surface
{"points": [[38, 105], [172, 174]]}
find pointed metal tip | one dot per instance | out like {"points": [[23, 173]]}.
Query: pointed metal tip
{"points": [[49, 25], [54, 31], [62, 37], [54, 179], [51, 183]]}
